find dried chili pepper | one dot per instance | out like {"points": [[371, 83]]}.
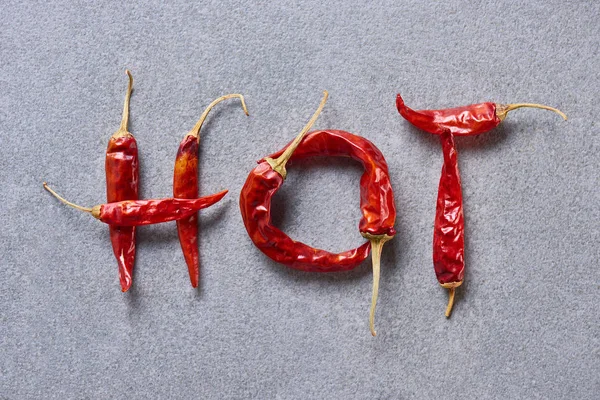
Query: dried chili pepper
{"points": [[122, 181], [449, 226], [468, 120], [144, 212], [377, 204], [185, 186], [448, 235]]}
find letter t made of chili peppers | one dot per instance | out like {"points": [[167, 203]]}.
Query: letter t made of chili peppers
{"points": [[122, 182], [448, 236], [185, 186]]}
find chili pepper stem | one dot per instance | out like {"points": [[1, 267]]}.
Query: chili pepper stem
{"points": [[377, 242], [125, 118], [278, 165], [84, 209], [503, 109], [451, 286], [450, 302], [196, 129]]}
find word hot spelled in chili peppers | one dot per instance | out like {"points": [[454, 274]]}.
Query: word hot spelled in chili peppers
{"points": [[376, 203], [185, 186], [448, 234]]}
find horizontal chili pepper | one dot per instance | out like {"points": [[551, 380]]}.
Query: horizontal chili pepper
{"points": [[185, 186], [449, 226], [377, 204], [144, 212], [468, 120], [122, 181]]}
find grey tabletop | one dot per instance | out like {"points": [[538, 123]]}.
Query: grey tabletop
{"points": [[525, 323]]}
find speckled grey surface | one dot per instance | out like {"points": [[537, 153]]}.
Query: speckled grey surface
{"points": [[526, 321]]}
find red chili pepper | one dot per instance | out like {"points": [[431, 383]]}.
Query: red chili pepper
{"points": [[145, 212], [377, 204], [122, 184], [448, 235], [449, 227], [185, 186], [468, 120]]}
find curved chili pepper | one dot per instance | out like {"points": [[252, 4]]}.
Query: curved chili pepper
{"points": [[449, 227], [468, 120], [185, 186], [255, 205], [377, 204], [122, 183], [144, 212]]}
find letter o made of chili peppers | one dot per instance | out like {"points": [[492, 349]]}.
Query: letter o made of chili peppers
{"points": [[377, 204]]}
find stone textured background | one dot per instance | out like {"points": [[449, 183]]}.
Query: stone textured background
{"points": [[525, 323]]}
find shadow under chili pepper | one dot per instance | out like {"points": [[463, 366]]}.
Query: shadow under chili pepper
{"points": [[133, 301], [485, 140], [482, 141], [205, 224]]}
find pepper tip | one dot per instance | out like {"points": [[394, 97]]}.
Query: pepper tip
{"points": [[399, 102]]}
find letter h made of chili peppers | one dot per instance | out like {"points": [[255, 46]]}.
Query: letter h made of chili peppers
{"points": [[123, 211], [376, 202], [448, 234]]}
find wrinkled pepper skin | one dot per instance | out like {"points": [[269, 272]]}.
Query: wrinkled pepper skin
{"points": [[185, 186], [468, 120], [377, 203], [255, 205], [145, 212], [376, 195], [122, 182], [449, 227]]}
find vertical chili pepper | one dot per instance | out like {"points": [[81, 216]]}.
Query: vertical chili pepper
{"points": [[468, 120], [122, 182], [449, 226], [377, 204], [144, 212], [185, 186]]}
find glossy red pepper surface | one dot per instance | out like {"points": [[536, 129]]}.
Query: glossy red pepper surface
{"points": [[145, 212], [460, 121], [185, 186], [377, 203], [448, 233], [468, 120], [122, 181], [122, 184], [255, 205]]}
